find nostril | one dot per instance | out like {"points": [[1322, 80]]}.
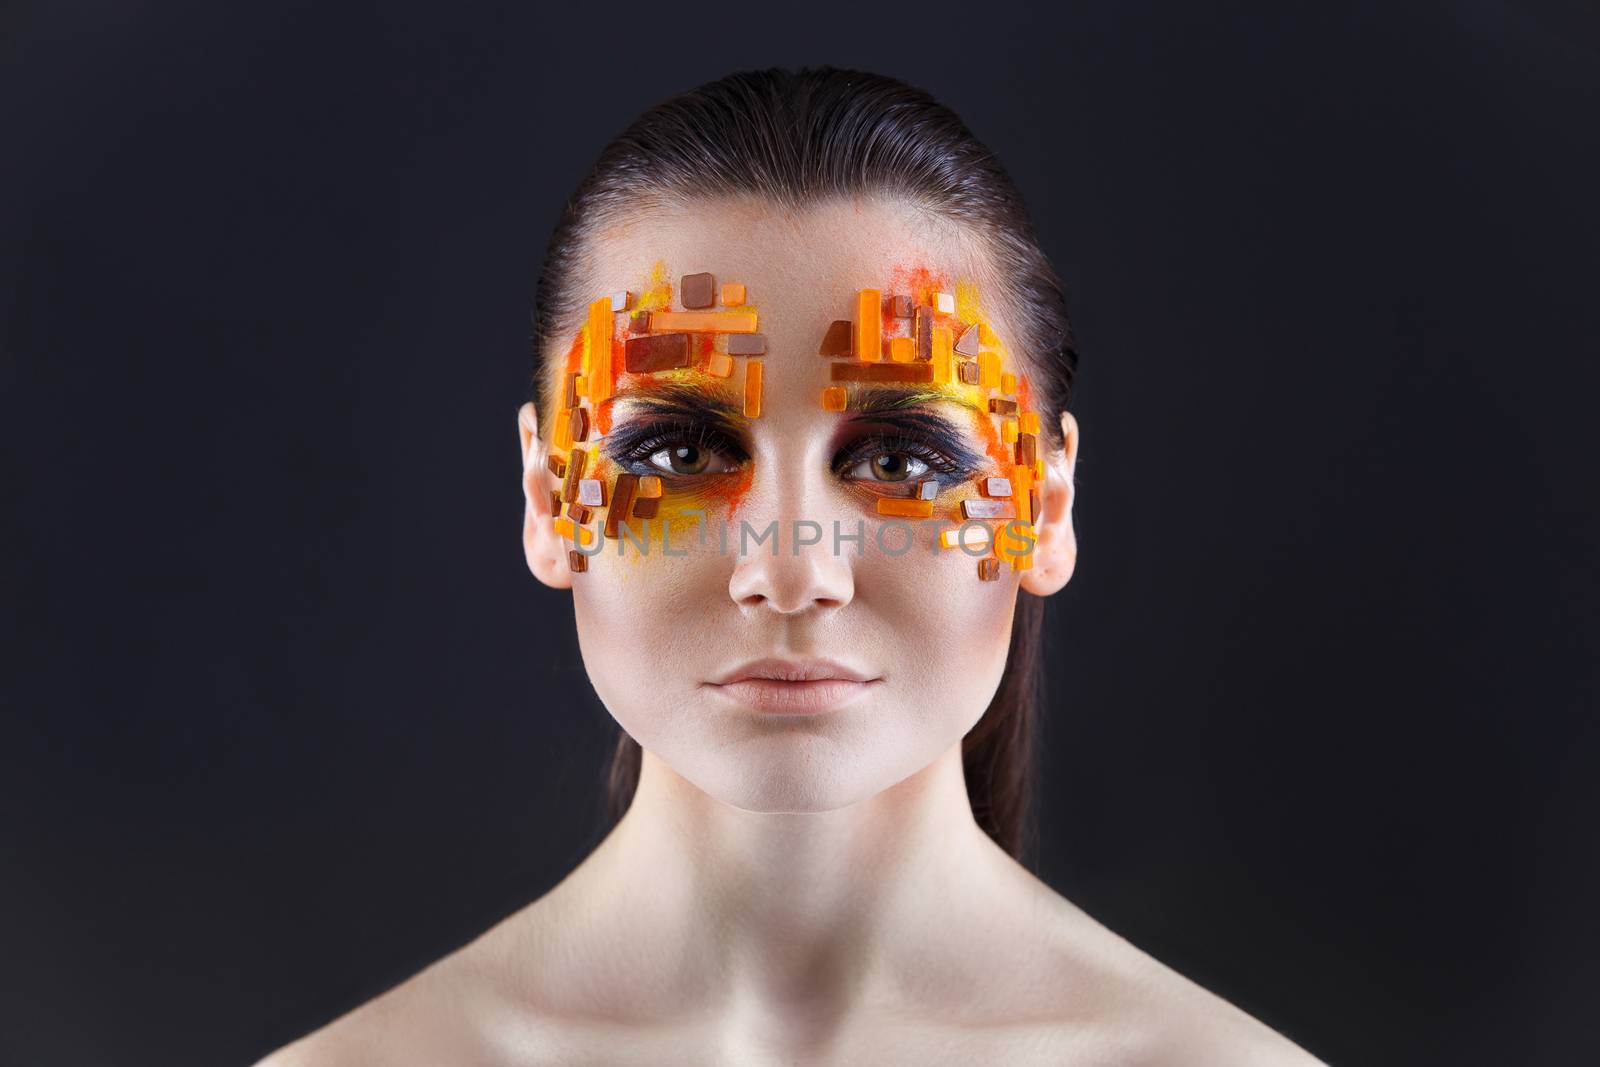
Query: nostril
{"points": [[791, 584]]}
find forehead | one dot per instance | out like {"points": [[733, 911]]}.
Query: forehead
{"points": [[800, 266]]}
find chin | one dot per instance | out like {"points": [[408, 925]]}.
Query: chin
{"points": [[778, 764]]}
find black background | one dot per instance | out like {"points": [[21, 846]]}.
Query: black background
{"points": [[287, 718]]}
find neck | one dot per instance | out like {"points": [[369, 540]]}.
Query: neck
{"points": [[788, 919]]}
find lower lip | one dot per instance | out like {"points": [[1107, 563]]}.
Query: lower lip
{"points": [[792, 698]]}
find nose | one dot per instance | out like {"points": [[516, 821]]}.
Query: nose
{"points": [[810, 571], [815, 580]]}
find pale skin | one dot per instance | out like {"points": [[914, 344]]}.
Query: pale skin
{"points": [[796, 890]]}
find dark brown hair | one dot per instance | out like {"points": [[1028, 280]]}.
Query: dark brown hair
{"points": [[801, 137]]}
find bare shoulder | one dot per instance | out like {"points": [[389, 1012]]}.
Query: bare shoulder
{"points": [[457, 1010], [413, 1022], [1118, 1004]]}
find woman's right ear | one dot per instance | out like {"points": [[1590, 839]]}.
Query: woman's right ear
{"points": [[546, 550]]}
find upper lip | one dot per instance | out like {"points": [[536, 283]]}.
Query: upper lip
{"points": [[792, 670]]}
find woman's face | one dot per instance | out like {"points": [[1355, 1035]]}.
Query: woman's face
{"points": [[784, 629]]}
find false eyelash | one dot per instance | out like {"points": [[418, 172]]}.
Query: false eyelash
{"points": [[928, 447], [635, 444]]}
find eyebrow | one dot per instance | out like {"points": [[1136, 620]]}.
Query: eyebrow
{"points": [[873, 400], [699, 403], [684, 401], [909, 409]]}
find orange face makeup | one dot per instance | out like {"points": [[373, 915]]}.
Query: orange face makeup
{"points": [[699, 364], [935, 343]]}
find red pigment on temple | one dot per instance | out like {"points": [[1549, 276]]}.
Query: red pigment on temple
{"points": [[919, 282], [575, 355]]}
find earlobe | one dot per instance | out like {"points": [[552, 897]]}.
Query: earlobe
{"points": [[1055, 553], [545, 550]]}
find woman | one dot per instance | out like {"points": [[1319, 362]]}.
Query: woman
{"points": [[799, 448]]}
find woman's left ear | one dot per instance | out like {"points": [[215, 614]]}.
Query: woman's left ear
{"points": [[1055, 552]]}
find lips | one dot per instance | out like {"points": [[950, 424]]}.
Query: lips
{"points": [[794, 670], [793, 686]]}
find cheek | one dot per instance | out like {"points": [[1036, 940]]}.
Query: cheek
{"points": [[643, 622], [944, 633], [643, 616], [677, 515]]}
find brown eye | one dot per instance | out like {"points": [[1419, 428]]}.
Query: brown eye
{"points": [[677, 448], [889, 467], [684, 459]]}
